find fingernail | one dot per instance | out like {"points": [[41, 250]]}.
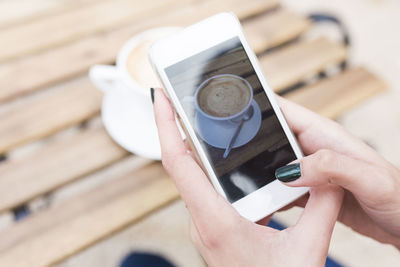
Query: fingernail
{"points": [[288, 173], [152, 94]]}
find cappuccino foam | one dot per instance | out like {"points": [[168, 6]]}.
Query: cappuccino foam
{"points": [[224, 96], [139, 66]]}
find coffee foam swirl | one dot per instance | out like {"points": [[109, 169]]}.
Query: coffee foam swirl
{"points": [[224, 96]]}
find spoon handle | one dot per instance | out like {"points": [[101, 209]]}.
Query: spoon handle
{"points": [[234, 137]]}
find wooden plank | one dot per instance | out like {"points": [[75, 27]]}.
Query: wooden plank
{"points": [[333, 96], [291, 65], [75, 24], [72, 25], [273, 29], [35, 120], [57, 163], [84, 220], [13, 12], [76, 58], [37, 117]]}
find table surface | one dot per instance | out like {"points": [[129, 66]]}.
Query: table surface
{"points": [[51, 136]]}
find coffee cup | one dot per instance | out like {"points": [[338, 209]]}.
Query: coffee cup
{"points": [[223, 97], [127, 111]]}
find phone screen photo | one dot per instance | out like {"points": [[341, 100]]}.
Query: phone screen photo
{"points": [[233, 119]]}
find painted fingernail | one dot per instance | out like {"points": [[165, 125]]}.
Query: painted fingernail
{"points": [[152, 94], [288, 173]]}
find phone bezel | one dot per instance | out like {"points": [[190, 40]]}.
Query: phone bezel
{"points": [[191, 41]]}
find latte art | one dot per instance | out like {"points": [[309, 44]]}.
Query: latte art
{"points": [[224, 96]]}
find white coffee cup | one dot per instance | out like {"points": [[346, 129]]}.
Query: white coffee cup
{"points": [[127, 111], [234, 117]]}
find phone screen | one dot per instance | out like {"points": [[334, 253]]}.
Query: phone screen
{"points": [[232, 117]]}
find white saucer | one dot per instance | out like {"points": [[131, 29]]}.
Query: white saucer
{"points": [[129, 119], [219, 133]]}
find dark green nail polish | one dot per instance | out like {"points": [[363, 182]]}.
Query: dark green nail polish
{"points": [[288, 173], [152, 94]]}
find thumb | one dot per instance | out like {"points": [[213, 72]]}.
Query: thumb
{"points": [[363, 179], [314, 228]]}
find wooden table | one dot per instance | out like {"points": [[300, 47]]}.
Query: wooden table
{"points": [[51, 135]]}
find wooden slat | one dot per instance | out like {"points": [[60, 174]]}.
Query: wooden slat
{"points": [[73, 25], [291, 65], [45, 115], [57, 162], [73, 59], [126, 166], [333, 96], [274, 29], [52, 235], [55, 30], [79, 222], [62, 107], [21, 11]]}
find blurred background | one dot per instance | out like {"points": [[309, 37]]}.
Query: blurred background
{"points": [[70, 196]]}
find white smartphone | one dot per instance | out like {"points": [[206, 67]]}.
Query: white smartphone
{"points": [[228, 113]]}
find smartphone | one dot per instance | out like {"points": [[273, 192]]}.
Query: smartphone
{"points": [[228, 113]]}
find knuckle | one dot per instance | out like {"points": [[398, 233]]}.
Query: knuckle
{"points": [[389, 183], [213, 238], [324, 160], [211, 241], [222, 232]]}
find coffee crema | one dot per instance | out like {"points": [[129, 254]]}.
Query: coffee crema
{"points": [[224, 96], [139, 66]]}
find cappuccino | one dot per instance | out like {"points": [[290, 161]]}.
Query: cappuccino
{"points": [[139, 67], [224, 96]]}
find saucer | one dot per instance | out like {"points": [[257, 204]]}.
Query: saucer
{"points": [[129, 119], [219, 133]]}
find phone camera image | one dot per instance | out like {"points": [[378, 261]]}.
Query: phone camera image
{"points": [[233, 119]]}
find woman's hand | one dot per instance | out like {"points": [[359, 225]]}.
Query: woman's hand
{"points": [[223, 237], [371, 204]]}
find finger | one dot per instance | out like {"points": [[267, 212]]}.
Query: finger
{"points": [[366, 181], [300, 202], [169, 135], [316, 224], [175, 158], [315, 132], [193, 185]]}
